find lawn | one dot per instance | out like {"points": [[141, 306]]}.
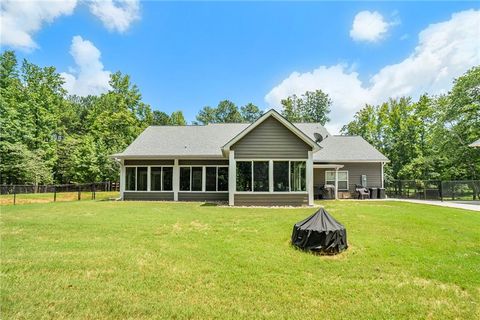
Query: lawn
{"points": [[23, 198], [110, 260]]}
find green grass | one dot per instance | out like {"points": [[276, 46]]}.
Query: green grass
{"points": [[111, 260], [7, 199]]}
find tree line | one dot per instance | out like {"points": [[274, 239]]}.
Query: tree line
{"points": [[48, 136]]}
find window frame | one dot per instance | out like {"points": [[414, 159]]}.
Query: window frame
{"points": [[344, 171], [271, 188], [204, 176], [149, 180]]}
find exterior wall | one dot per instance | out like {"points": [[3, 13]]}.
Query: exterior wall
{"points": [[148, 195], [373, 171], [203, 196], [149, 162], [203, 162], [271, 140], [263, 199]]}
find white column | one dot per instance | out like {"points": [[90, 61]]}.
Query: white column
{"points": [[204, 177], [176, 179], [122, 178], [309, 178], [336, 183], [383, 163], [232, 174], [148, 178], [270, 176]]}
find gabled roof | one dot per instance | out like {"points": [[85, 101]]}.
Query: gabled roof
{"points": [[347, 149], [475, 144], [272, 113]]}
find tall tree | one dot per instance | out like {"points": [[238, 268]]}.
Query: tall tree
{"points": [[250, 112], [312, 106], [177, 119]]}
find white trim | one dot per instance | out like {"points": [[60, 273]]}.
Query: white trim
{"points": [[270, 176], [273, 192], [176, 179], [168, 157], [122, 179], [336, 178], [317, 161], [232, 173], [149, 178], [382, 177], [309, 178], [282, 120], [327, 166], [336, 183]]}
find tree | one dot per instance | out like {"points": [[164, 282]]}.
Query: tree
{"points": [[312, 106], [160, 118], [206, 115], [177, 119], [250, 112], [225, 112]]}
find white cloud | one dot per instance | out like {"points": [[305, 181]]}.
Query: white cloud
{"points": [[444, 51], [369, 26], [20, 20], [88, 77], [116, 15]]}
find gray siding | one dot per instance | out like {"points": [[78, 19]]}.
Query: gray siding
{"points": [[148, 196], [203, 162], [203, 196], [271, 140], [152, 162], [253, 199], [355, 172]]}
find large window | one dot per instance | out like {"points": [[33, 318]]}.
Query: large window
{"points": [[280, 176], [244, 176], [222, 176], [216, 179], [260, 176], [298, 173], [197, 178], [185, 178], [130, 178], [342, 179], [161, 178]]}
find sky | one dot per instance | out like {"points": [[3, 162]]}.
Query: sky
{"points": [[187, 55]]}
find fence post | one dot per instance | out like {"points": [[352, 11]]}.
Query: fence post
{"points": [[54, 193], [14, 196], [453, 191], [79, 193], [440, 189]]}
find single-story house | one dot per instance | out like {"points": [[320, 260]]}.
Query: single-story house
{"points": [[268, 162]]}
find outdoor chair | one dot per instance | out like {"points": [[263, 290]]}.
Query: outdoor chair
{"points": [[362, 192]]}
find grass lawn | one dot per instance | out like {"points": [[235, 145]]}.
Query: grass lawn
{"points": [[100, 259], [6, 199]]}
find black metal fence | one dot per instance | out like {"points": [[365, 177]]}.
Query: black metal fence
{"points": [[14, 194], [464, 190]]}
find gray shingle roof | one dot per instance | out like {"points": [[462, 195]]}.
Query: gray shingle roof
{"points": [[207, 141], [347, 148]]}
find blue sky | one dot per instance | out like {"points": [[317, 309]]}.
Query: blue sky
{"points": [[186, 55]]}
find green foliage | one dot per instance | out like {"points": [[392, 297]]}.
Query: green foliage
{"points": [[427, 139], [228, 112], [312, 106], [250, 112]]}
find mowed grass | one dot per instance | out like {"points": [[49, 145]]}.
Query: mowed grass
{"points": [[139, 260], [6, 199]]}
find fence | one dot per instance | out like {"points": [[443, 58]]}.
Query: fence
{"points": [[464, 190], [14, 194]]}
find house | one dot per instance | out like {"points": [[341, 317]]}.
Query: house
{"points": [[268, 162]]}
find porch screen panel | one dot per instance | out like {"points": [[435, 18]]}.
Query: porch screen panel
{"points": [[167, 175], [142, 178], [130, 178], [298, 174], [197, 178], [185, 178], [211, 179], [260, 176], [222, 178], [156, 178], [244, 176], [280, 176]]}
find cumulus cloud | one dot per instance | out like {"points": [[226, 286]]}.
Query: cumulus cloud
{"points": [[116, 15], [369, 26], [20, 20], [444, 51], [88, 76]]}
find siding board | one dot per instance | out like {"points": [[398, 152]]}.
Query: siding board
{"points": [[204, 162], [152, 162], [252, 199], [148, 196], [271, 140], [203, 196]]}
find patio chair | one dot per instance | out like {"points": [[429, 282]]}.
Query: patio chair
{"points": [[362, 192]]}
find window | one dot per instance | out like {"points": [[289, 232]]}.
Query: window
{"points": [[161, 178], [260, 176], [280, 176], [142, 173], [184, 178], [197, 178], [130, 178], [222, 184], [298, 174], [342, 179], [244, 176], [156, 178]]}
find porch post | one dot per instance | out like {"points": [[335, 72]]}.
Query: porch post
{"points": [[232, 175], [122, 178], [383, 163], [336, 183], [148, 178], [176, 179], [309, 178]]}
